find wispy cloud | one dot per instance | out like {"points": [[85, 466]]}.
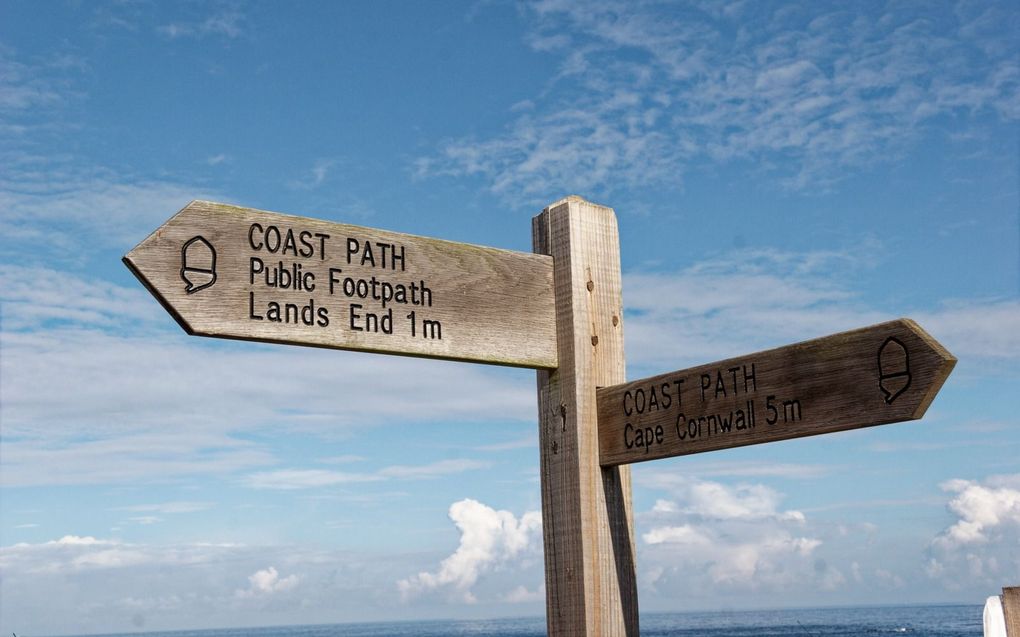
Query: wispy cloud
{"points": [[715, 309], [224, 23], [434, 469], [164, 585], [168, 507], [293, 479], [79, 211], [104, 421], [315, 176], [806, 92]]}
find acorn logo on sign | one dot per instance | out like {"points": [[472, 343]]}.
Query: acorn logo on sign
{"points": [[893, 369], [198, 264]]}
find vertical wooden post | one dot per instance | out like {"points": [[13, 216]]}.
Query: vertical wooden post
{"points": [[587, 520], [1011, 610]]}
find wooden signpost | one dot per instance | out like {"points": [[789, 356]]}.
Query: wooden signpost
{"points": [[241, 273], [234, 272], [871, 376]]}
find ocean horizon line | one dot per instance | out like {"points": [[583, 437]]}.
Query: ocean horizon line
{"points": [[528, 624]]}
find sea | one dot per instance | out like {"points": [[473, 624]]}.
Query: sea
{"points": [[891, 621]]}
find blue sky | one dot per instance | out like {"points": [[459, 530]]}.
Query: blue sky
{"points": [[780, 171]]}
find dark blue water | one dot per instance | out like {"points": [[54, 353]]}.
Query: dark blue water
{"points": [[890, 621]]}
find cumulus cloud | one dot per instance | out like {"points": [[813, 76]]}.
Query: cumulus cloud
{"points": [[985, 513], [705, 499], [981, 548], [266, 582], [713, 535], [489, 540]]}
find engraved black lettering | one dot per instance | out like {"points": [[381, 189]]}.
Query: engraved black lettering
{"points": [[399, 258], [639, 400], [273, 312], [706, 382], [257, 266], [431, 329], [366, 254], [334, 278], [322, 244], [307, 249], [355, 316], [289, 244], [272, 239], [678, 383], [251, 308], [749, 377], [251, 236]]}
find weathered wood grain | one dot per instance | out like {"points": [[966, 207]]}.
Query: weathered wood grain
{"points": [[1011, 610], [844, 381], [468, 302], [587, 517]]}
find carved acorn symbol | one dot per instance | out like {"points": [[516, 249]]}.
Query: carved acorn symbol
{"points": [[893, 369], [198, 264]]}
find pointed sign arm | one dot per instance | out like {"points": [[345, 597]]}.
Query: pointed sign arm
{"points": [[875, 375]]}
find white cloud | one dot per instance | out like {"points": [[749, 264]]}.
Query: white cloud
{"points": [[315, 176], [145, 519], [685, 535], [227, 23], [980, 549], [78, 211], [440, 468], [167, 507], [289, 479], [713, 310], [100, 420], [266, 582], [521, 595], [713, 500], [80, 584], [644, 94], [710, 535], [489, 540], [984, 512]]}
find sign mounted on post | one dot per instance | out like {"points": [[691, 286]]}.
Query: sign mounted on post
{"points": [[241, 273], [871, 376]]}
